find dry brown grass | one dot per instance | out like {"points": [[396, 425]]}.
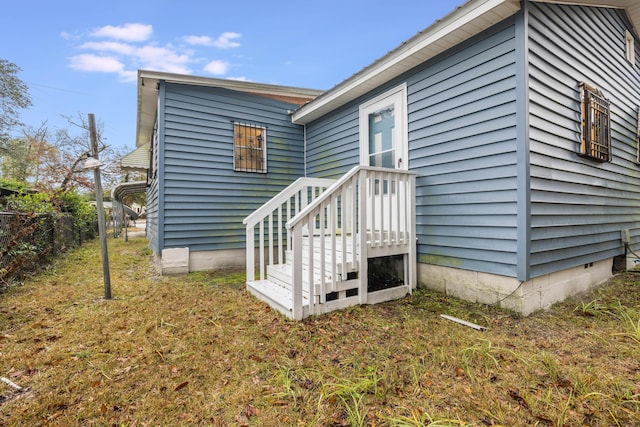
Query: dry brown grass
{"points": [[199, 350]]}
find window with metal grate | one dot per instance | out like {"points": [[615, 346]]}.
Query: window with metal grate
{"points": [[250, 148], [596, 124]]}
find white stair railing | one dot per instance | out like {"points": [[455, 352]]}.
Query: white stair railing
{"points": [[273, 215], [369, 212]]}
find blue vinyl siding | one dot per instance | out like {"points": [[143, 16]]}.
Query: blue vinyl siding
{"points": [[154, 190], [462, 145], [205, 200], [579, 207], [333, 144], [494, 131], [152, 215]]}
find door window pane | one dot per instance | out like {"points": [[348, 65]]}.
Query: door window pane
{"points": [[381, 144]]}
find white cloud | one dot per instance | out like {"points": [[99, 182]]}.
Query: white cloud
{"points": [[129, 47], [131, 32], [224, 41], [117, 47], [147, 57], [162, 59], [217, 67], [199, 40], [128, 76], [102, 64], [67, 36], [96, 63]]}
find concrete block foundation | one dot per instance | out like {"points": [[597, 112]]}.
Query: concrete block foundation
{"points": [[508, 292], [174, 261], [177, 261]]}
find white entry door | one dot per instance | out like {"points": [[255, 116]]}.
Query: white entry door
{"points": [[383, 130], [383, 143]]}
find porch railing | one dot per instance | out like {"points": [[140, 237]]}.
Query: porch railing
{"points": [[328, 230], [369, 212], [269, 220]]}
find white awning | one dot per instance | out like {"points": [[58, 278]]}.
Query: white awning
{"points": [[120, 191]]}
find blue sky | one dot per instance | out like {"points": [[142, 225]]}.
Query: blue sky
{"points": [[80, 57]]}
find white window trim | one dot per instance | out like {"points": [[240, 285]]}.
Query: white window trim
{"points": [[398, 97], [630, 47]]}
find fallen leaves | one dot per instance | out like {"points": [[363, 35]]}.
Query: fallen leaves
{"points": [[515, 395], [247, 413], [181, 386], [187, 351]]}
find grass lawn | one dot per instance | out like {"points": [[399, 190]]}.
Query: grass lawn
{"points": [[199, 350]]}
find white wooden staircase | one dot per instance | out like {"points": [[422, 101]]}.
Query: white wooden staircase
{"points": [[308, 248]]}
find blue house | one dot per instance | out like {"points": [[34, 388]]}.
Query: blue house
{"points": [[493, 157]]}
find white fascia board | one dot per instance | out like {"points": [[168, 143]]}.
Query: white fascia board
{"points": [[453, 24], [243, 86]]}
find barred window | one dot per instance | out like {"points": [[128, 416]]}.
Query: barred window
{"points": [[250, 148], [596, 124]]}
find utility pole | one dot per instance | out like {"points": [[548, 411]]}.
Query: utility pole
{"points": [[100, 207]]}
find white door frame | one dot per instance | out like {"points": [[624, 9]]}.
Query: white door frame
{"points": [[398, 98]]}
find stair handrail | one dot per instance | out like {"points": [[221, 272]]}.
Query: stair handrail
{"points": [[280, 198], [328, 192], [274, 242]]}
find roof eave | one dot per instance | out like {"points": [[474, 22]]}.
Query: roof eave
{"points": [[466, 21], [149, 81]]}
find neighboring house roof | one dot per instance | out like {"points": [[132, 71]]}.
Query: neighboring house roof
{"points": [[466, 21], [148, 83], [137, 160]]}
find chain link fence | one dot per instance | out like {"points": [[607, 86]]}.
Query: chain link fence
{"points": [[29, 241]]}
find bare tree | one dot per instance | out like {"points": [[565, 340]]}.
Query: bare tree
{"points": [[50, 160], [78, 148]]}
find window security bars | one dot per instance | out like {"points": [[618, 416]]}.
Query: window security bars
{"points": [[596, 125], [250, 148]]}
